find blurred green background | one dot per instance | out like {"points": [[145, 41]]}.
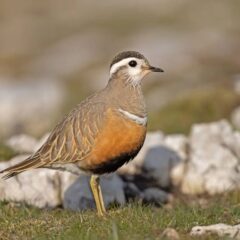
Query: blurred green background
{"points": [[55, 53]]}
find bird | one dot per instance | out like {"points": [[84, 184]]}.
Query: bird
{"points": [[103, 132]]}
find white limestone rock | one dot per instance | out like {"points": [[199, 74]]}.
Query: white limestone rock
{"points": [[29, 106], [39, 187], [22, 143], [220, 229], [235, 116], [213, 164], [178, 143], [26, 144], [178, 173]]}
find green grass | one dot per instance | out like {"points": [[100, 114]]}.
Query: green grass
{"points": [[6, 152], [134, 221], [196, 107]]}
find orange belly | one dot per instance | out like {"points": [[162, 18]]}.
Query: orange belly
{"points": [[118, 142]]}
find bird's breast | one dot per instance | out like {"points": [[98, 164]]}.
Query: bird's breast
{"points": [[119, 140]]}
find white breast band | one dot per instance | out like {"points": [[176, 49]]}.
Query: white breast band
{"points": [[135, 118]]}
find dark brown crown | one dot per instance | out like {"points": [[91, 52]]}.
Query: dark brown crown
{"points": [[127, 54]]}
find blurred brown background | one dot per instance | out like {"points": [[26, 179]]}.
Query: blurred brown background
{"points": [[55, 53]]}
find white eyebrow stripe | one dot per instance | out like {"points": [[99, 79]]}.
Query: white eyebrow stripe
{"points": [[135, 118], [121, 63]]}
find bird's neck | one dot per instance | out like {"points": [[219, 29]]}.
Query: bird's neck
{"points": [[126, 96]]}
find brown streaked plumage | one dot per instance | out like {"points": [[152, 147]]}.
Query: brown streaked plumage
{"points": [[103, 132]]}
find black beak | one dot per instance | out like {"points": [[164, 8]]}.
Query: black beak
{"points": [[155, 69]]}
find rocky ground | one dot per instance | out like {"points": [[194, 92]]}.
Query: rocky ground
{"points": [[204, 163]]}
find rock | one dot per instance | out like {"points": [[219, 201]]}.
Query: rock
{"points": [[170, 233], [131, 191], [26, 144], [158, 164], [178, 173], [29, 106], [22, 143], [158, 158], [213, 164], [153, 139], [39, 187], [155, 196], [178, 143], [222, 230], [78, 195], [235, 117]]}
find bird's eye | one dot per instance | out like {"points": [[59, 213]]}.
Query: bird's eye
{"points": [[132, 63]]}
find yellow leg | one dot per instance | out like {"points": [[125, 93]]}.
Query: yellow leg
{"points": [[101, 199], [97, 194]]}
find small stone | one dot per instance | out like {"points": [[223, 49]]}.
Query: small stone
{"points": [[171, 234], [220, 229]]}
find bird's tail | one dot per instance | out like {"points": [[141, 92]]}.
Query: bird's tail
{"points": [[30, 163]]}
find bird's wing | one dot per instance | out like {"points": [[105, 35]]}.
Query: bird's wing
{"points": [[70, 141], [73, 138]]}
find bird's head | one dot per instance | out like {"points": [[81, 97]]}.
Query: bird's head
{"points": [[131, 65]]}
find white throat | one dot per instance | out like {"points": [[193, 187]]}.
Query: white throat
{"points": [[133, 117]]}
